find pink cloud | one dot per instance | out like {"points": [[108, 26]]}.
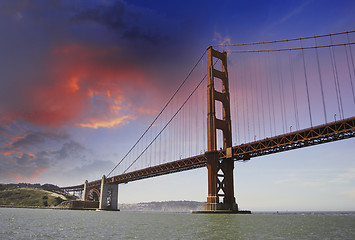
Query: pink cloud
{"points": [[78, 81]]}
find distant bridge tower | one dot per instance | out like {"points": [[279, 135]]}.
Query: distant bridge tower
{"points": [[220, 171]]}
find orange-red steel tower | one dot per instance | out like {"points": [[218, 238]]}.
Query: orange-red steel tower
{"points": [[220, 171]]}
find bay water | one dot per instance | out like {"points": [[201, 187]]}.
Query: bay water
{"points": [[16, 223]]}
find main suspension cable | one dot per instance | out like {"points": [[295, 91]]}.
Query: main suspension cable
{"points": [[290, 49], [284, 40], [171, 119], [153, 122], [159, 134]]}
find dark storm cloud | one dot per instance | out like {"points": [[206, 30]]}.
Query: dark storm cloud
{"points": [[44, 159], [28, 163], [67, 49], [24, 160], [68, 64], [22, 165], [35, 138], [69, 149], [136, 34], [3, 130], [93, 170], [128, 22], [110, 16], [21, 147]]}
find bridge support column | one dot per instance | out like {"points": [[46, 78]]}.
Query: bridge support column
{"points": [[220, 184], [108, 195], [220, 170], [85, 193]]}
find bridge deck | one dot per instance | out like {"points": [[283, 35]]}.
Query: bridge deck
{"points": [[299, 139]]}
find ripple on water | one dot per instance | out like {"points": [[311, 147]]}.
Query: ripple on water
{"points": [[65, 224]]}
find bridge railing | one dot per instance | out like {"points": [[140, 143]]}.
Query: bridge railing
{"points": [[299, 139]]}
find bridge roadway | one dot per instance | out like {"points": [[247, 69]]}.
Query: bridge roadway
{"points": [[330, 132]]}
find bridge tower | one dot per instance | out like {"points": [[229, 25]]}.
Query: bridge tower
{"points": [[108, 195], [220, 171]]}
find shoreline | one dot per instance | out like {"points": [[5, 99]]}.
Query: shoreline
{"points": [[30, 207], [52, 208], [143, 211]]}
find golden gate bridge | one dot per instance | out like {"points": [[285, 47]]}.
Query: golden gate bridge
{"points": [[271, 96]]}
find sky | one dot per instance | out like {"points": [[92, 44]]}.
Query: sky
{"points": [[81, 80]]}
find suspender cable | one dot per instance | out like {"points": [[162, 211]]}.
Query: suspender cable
{"points": [[248, 118], [166, 105], [281, 94], [334, 77], [294, 95], [352, 61], [184, 132], [321, 82], [165, 140], [258, 81], [278, 78], [261, 92], [337, 87], [236, 105], [252, 88], [203, 119], [272, 102], [306, 81], [351, 58], [244, 103], [197, 134], [283, 99], [170, 120], [176, 143], [190, 126], [268, 95], [165, 126]]}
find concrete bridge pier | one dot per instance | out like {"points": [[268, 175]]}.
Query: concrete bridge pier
{"points": [[84, 194], [108, 196]]}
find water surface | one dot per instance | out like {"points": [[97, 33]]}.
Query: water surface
{"points": [[69, 224]]}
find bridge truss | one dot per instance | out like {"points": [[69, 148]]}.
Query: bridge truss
{"points": [[330, 132]]}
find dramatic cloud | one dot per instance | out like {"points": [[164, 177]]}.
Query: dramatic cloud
{"points": [[84, 83], [72, 65], [129, 22], [69, 149], [111, 16], [93, 170], [33, 138], [28, 156], [72, 76], [107, 124]]}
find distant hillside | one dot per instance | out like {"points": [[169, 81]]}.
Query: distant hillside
{"points": [[168, 206], [49, 187], [31, 195], [48, 195]]}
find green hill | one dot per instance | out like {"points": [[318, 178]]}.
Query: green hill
{"points": [[30, 197]]}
